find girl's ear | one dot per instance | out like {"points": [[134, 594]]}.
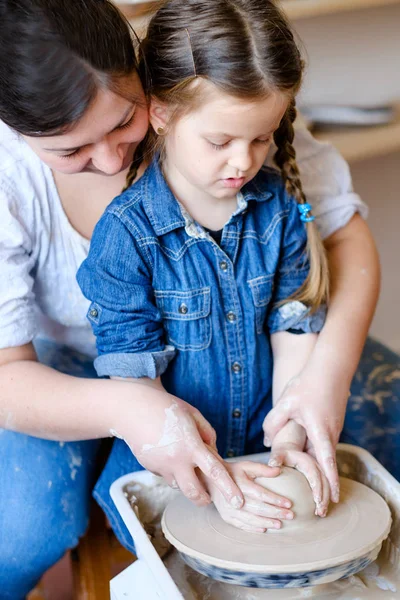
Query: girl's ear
{"points": [[158, 114]]}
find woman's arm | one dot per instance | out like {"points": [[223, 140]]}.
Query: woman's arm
{"points": [[291, 353], [320, 398], [354, 266], [355, 284], [39, 401]]}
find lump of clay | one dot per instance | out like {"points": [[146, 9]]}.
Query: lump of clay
{"points": [[293, 485], [148, 503]]}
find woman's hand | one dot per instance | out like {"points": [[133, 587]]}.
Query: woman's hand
{"points": [[317, 402], [262, 509], [290, 448], [172, 439]]}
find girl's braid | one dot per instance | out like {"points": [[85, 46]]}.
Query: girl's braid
{"points": [[315, 289], [285, 156]]}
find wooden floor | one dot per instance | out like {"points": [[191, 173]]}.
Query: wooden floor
{"points": [[57, 583], [85, 573]]}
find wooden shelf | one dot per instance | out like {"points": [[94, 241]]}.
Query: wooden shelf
{"points": [[360, 143], [295, 9], [302, 9]]}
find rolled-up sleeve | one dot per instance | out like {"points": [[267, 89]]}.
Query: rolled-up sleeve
{"points": [[292, 272], [326, 182], [123, 314], [18, 317], [296, 315]]}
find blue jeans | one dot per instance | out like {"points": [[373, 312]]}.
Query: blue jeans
{"points": [[45, 493], [46, 486]]}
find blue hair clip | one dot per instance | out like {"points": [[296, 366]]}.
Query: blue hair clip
{"points": [[304, 210]]}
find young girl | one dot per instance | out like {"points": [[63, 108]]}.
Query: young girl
{"points": [[209, 269]]}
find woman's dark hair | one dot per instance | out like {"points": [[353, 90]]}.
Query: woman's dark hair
{"points": [[54, 57], [247, 49]]}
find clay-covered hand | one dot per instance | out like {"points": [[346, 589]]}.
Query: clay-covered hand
{"points": [[319, 405], [166, 436], [290, 448], [262, 509]]}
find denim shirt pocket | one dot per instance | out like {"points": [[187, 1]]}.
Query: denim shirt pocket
{"points": [[261, 291], [186, 317]]}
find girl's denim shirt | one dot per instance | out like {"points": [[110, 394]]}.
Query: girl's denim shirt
{"points": [[167, 300]]}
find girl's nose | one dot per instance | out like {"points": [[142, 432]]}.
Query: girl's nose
{"points": [[241, 161]]}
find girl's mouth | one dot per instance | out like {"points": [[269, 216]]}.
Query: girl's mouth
{"points": [[233, 182]]}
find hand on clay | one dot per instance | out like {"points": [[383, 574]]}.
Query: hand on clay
{"points": [[318, 405], [172, 439], [262, 509], [290, 448]]}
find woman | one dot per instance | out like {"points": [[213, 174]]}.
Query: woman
{"points": [[73, 113]]}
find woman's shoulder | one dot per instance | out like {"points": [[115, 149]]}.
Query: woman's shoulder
{"points": [[19, 165], [26, 184], [13, 148]]}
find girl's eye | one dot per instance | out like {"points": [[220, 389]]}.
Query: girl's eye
{"points": [[265, 142], [219, 146]]}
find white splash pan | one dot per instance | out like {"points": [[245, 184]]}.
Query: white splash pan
{"points": [[148, 578]]}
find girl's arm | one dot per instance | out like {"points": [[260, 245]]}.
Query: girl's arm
{"points": [[318, 401], [40, 401], [290, 353]]}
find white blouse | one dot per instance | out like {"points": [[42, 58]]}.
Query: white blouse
{"points": [[40, 251]]}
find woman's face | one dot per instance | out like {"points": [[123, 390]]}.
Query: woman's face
{"points": [[104, 140]]}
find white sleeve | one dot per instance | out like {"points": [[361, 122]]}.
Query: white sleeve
{"points": [[327, 184], [17, 302]]}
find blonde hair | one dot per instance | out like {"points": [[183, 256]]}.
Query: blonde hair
{"points": [[219, 41]]}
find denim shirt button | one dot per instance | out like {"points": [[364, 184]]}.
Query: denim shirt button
{"points": [[236, 413], [223, 265], [236, 367], [93, 312], [230, 454], [183, 309], [231, 316]]}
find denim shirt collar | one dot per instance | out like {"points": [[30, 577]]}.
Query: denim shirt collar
{"points": [[166, 213]]}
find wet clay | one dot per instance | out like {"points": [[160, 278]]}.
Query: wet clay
{"points": [[148, 503]]}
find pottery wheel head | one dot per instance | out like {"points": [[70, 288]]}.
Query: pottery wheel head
{"points": [[292, 485], [352, 530]]}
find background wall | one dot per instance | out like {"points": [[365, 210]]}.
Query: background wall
{"points": [[354, 58], [377, 181]]}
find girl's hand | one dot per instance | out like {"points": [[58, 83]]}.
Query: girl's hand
{"points": [[262, 509], [289, 448], [317, 404], [166, 435]]}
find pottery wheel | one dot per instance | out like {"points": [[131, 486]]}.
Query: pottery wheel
{"points": [[354, 527]]}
